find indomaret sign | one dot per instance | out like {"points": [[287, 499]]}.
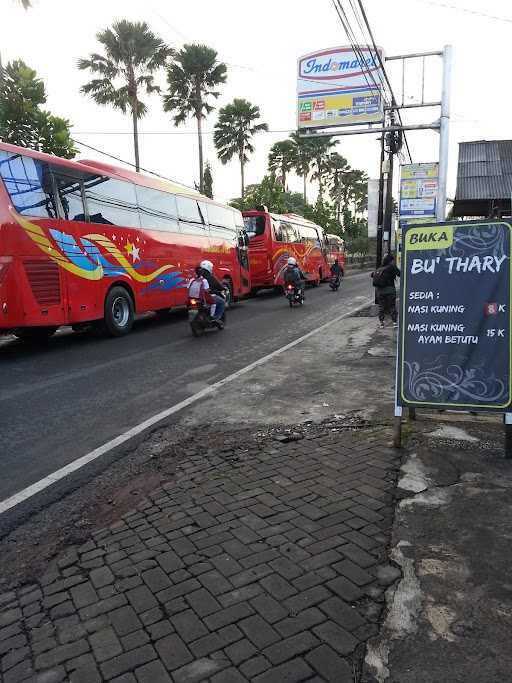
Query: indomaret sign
{"points": [[339, 86], [455, 316]]}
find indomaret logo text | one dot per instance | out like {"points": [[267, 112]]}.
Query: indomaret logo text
{"points": [[322, 66]]}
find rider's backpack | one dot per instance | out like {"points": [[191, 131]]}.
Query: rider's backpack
{"points": [[381, 277], [290, 276]]}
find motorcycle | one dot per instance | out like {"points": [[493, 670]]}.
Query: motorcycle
{"points": [[295, 295], [200, 319], [335, 282]]}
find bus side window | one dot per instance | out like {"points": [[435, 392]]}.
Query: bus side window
{"points": [[288, 232], [29, 184], [111, 202], [191, 219], [222, 223], [278, 231], [157, 209], [69, 190]]}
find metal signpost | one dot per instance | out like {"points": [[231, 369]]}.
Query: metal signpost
{"points": [[454, 347], [342, 73]]}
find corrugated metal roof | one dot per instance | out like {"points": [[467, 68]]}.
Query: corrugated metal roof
{"points": [[484, 172]]}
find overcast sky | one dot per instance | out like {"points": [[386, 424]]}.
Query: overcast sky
{"points": [[261, 41]]}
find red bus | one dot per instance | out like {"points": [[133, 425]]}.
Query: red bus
{"points": [[85, 242], [335, 250], [273, 239]]}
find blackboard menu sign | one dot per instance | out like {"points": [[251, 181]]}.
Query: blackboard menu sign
{"points": [[454, 348]]}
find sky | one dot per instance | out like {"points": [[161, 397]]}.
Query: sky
{"points": [[260, 42]]}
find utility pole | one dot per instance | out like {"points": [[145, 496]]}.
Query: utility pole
{"points": [[389, 199], [380, 209], [444, 132]]}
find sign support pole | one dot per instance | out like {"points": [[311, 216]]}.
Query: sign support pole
{"points": [[397, 427], [380, 212], [507, 421], [444, 132]]}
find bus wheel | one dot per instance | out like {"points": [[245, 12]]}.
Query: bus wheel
{"points": [[34, 333], [229, 292], [119, 312]]}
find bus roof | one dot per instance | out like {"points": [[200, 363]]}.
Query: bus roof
{"points": [[289, 216], [139, 178], [93, 166]]}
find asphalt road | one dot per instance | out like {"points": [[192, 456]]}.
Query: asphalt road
{"points": [[62, 399]]}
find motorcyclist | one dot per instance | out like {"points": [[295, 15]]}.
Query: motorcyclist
{"points": [[336, 271], [198, 288], [294, 275], [216, 289]]}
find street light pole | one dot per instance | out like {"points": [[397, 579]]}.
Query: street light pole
{"points": [[444, 131]]}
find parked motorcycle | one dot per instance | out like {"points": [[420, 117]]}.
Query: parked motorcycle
{"points": [[200, 319], [295, 295], [335, 282]]}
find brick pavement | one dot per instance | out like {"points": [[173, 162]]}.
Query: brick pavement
{"points": [[256, 563]]}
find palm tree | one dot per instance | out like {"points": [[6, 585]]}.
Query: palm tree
{"points": [[234, 130], [338, 170], [303, 158], [321, 150], [208, 180], [133, 54], [193, 76], [281, 159]]}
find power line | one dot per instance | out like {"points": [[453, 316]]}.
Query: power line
{"points": [[352, 39], [393, 100], [186, 39], [356, 15], [128, 163], [353, 42], [168, 132], [466, 10]]}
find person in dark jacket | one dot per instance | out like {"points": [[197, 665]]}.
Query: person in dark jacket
{"points": [[384, 282], [336, 269], [294, 275]]}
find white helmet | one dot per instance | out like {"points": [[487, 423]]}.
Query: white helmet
{"points": [[206, 265], [292, 261]]}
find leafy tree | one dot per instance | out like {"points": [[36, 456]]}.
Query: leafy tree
{"points": [[322, 213], [234, 131], [132, 55], [22, 121], [270, 193], [192, 78], [282, 158], [54, 136], [208, 180]]}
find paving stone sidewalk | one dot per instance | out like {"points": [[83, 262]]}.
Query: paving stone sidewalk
{"points": [[252, 565]]}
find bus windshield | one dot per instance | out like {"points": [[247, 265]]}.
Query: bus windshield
{"points": [[254, 225]]}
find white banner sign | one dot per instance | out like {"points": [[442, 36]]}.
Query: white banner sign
{"points": [[373, 206]]}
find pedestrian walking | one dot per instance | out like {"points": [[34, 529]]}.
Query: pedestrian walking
{"points": [[384, 282]]}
